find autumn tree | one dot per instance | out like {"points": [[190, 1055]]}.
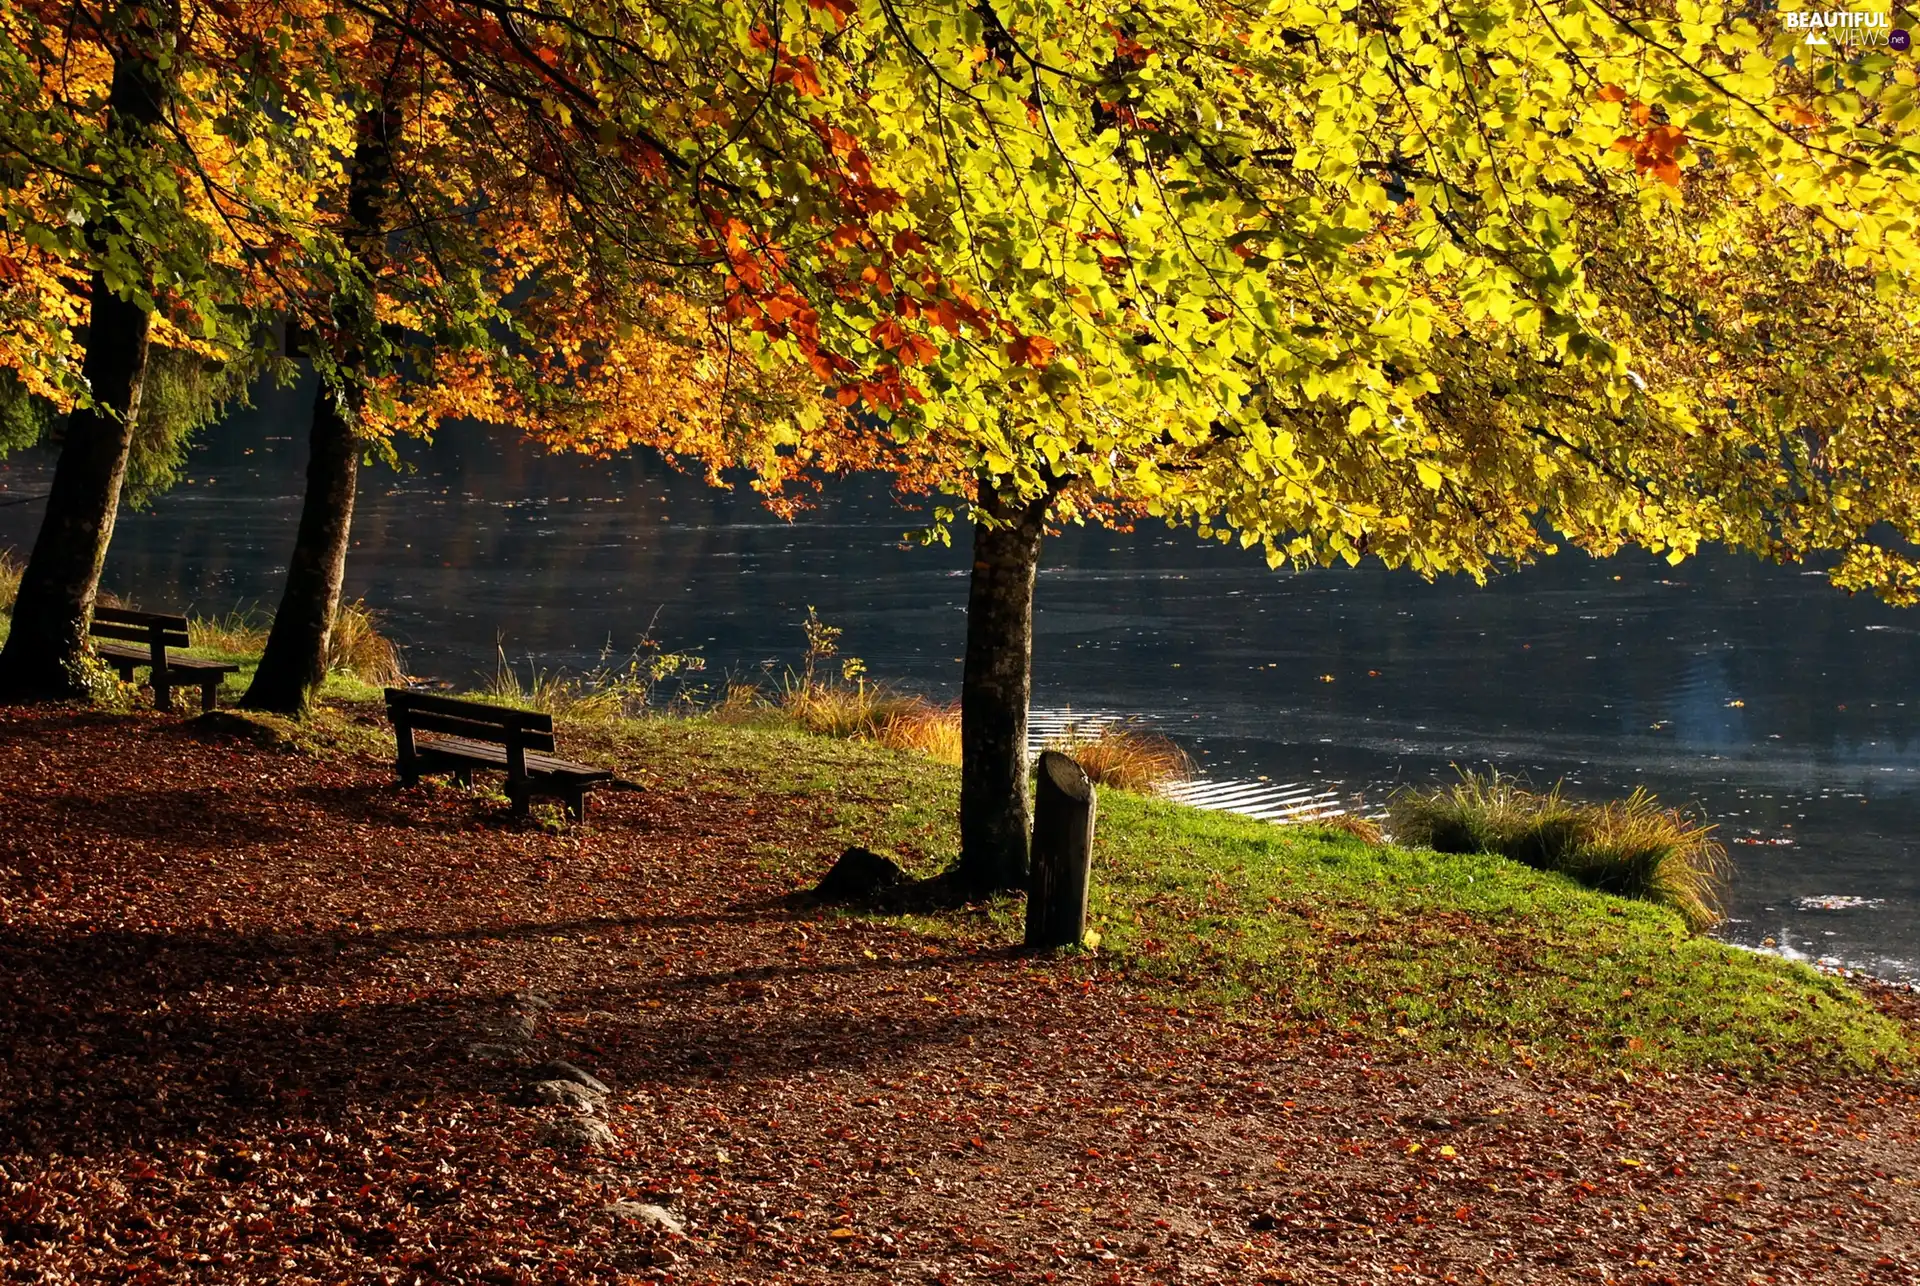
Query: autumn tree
{"points": [[495, 270], [148, 163], [1361, 255], [294, 661], [55, 602]]}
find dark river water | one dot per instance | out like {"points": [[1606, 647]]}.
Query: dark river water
{"points": [[1788, 712]]}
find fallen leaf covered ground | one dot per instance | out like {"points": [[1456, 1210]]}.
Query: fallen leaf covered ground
{"points": [[267, 1016]]}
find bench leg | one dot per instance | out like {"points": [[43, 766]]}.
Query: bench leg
{"points": [[577, 806], [521, 797], [464, 776], [209, 695], [163, 697]]}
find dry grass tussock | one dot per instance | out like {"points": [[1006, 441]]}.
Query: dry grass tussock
{"points": [[1358, 825], [238, 633], [359, 648], [11, 569], [1633, 847], [848, 706], [867, 711], [1124, 757]]}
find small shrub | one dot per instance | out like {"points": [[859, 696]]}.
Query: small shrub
{"points": [[1637, 848], [1633, 847], [1124, 757]]}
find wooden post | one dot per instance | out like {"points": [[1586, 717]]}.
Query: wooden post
{"points": [[1062, 854]]}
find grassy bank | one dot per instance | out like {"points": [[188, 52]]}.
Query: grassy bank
{"points": [[1470, 954]]}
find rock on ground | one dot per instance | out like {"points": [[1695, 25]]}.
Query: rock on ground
{"points": [[560, 1094], [647, 1213], [559, 1069], [579, 1133]]}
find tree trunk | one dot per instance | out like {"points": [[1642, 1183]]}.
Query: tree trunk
{"points": [[294, 664], [995, 687], [46, 651]]}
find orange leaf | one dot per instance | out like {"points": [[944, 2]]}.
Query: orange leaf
{"points": [[1035, 350], [799, 71], [1612, 94]]}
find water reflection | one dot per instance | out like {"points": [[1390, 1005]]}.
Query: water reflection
{"points": [[1785, 708]]}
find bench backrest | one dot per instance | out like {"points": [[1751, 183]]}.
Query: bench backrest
{"points": [[474, 720], [139, 627]]}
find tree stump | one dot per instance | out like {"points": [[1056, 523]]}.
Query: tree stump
{"points": [[1062, 854]]}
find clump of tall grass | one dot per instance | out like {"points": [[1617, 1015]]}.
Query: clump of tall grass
{"points": [[356, 646], [241, 632], [1634, 847], [608, 691], [845, 704], [1357, 825], [1123, 756], [858, 709], [925, 728], [11, 570]]}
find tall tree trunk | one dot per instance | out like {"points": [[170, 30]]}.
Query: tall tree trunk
{"points": [[46, 651], [294, 664], [995, 687]]}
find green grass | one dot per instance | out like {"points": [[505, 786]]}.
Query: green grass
{"points": [[1470, 955]]}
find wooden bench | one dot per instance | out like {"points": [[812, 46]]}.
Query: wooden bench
{"points": [[156, 633], [474, 735]]}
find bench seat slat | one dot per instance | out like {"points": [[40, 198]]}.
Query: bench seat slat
{"points": [[175, 664], [460, 750]]}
